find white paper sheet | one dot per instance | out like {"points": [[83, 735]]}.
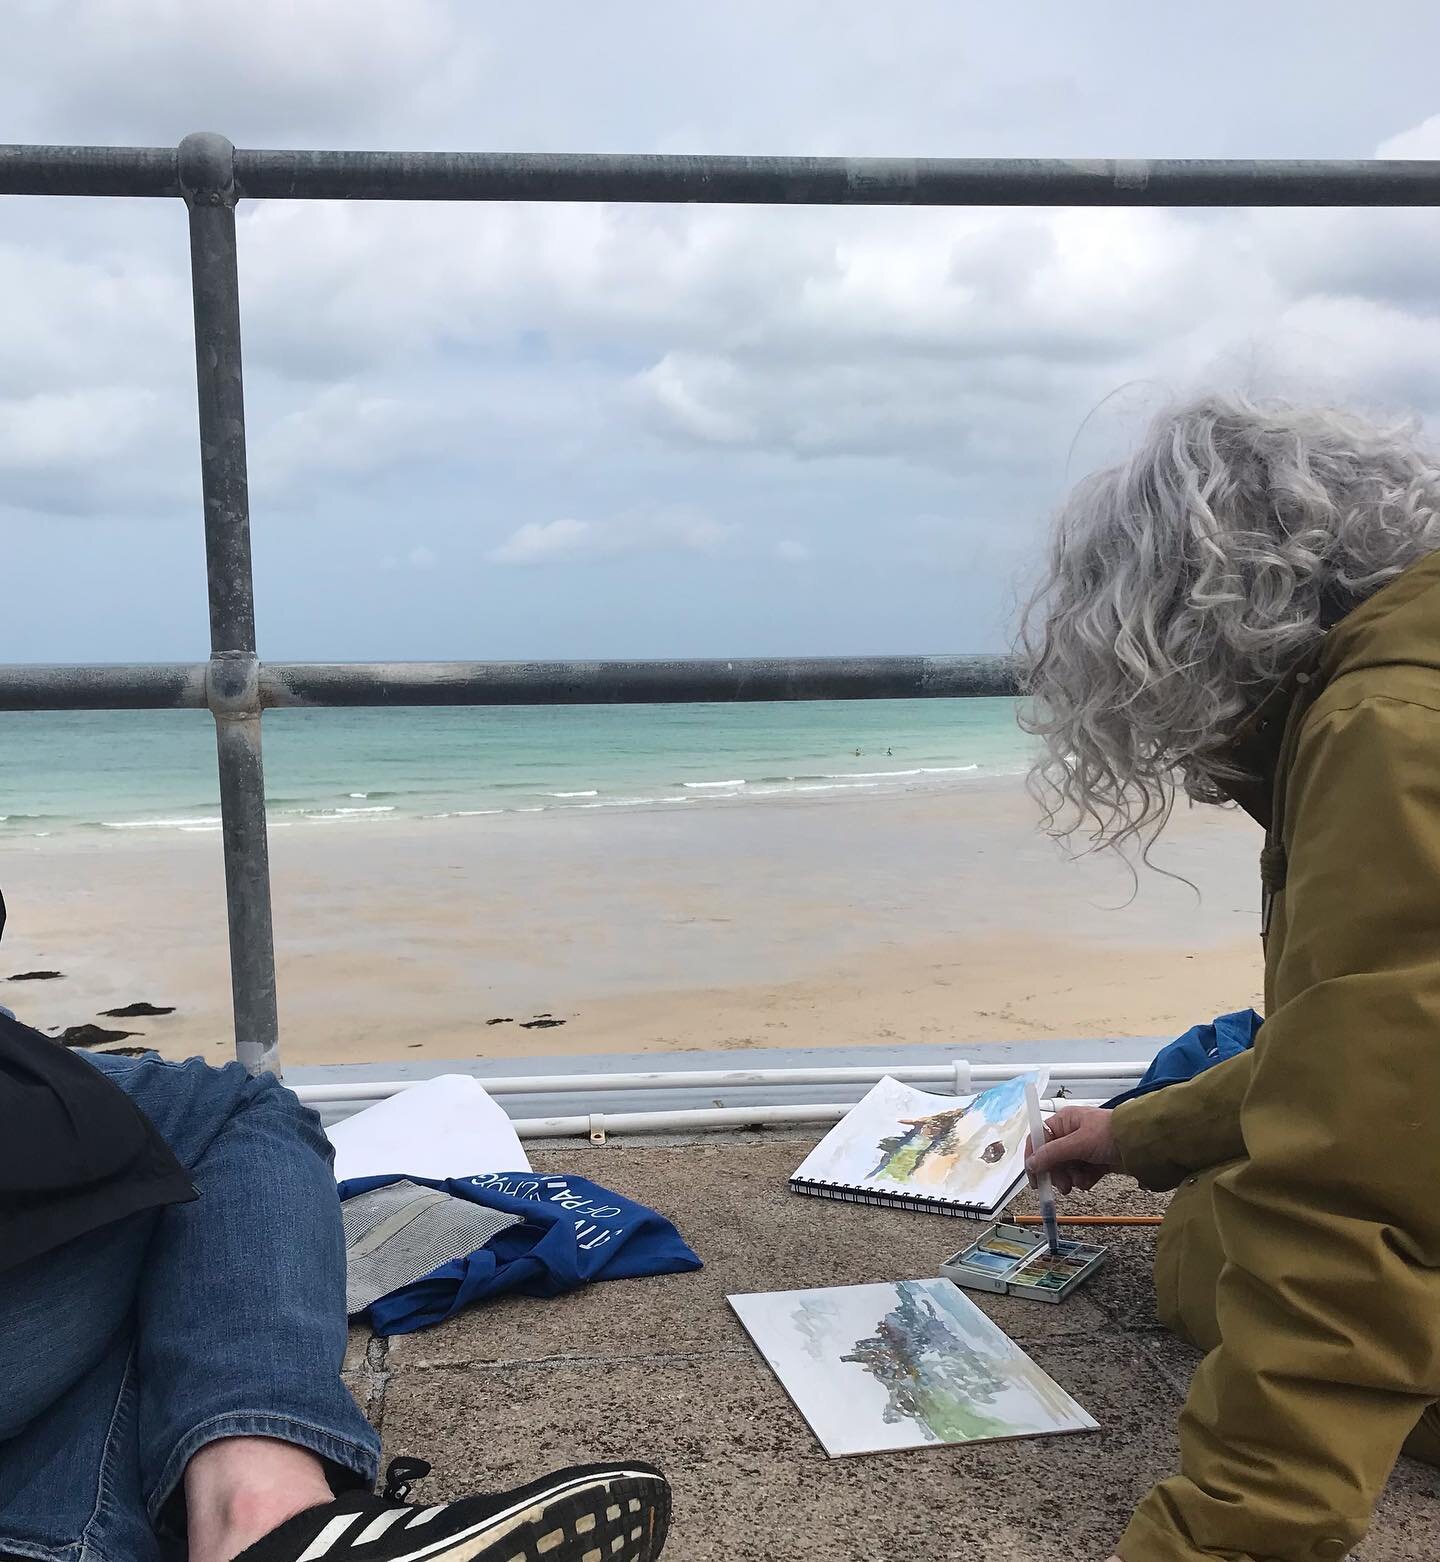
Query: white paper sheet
{"points": [[903, 1365], [447, 1127], [971, 1157]]}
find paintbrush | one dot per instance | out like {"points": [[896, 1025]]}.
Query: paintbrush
{"points": [[1043, 1185]]}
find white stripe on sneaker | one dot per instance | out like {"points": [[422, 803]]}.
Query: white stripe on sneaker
{"points": [[500, 1524], [426, 1514], [377, 1527], [327, 1537]]}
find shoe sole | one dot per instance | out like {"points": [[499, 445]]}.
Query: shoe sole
{"points": [[601, 1516]]}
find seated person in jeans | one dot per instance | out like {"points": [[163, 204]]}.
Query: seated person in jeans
{"points": [[1248, 609], [172, 1323]]}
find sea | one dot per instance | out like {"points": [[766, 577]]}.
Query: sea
{"points": [[117, 773]]}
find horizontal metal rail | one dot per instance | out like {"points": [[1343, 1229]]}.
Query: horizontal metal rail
{"points": [[89, 170], [178, 685], [804, 181], [152, 686]]}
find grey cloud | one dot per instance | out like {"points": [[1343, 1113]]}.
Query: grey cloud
{"points": [[150, 71], [103, 320], [888, 391], [104, 451], [952, 415], [1388, 256], [420, 557], [346, 430], [570, 541]]}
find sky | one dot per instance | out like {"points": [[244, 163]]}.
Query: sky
{"points": [[569, 431]]}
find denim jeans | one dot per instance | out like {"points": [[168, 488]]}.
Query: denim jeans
{"points": [[127, 1350]]}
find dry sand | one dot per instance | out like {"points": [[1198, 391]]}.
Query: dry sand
{"points": [[939, 918]]}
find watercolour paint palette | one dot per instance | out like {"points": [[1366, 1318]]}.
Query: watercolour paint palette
{"points": [[1017, 1261], [906, 1364]]}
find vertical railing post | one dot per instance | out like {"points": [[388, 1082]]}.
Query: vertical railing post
{"points": [[207, 180]]}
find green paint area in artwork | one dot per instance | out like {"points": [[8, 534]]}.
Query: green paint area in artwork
{"points": [[913, 1356], [954, 1420], [900, 1166]]}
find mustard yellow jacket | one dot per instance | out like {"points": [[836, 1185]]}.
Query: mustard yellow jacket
{"points": [[1329, 1301]]}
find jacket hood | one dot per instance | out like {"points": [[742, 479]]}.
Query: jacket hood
{"points": [[1399, 625]]}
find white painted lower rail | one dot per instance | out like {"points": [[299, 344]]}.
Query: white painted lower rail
{"points": [[955, 1077], [958, 1076], [598, 1125]]}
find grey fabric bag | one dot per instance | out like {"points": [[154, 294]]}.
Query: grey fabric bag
{"points": [[396, 1234]]}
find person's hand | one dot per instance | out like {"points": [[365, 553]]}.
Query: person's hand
{"points": [[1079, 1148]]}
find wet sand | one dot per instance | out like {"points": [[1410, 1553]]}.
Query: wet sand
{"points": [[937, 918]]}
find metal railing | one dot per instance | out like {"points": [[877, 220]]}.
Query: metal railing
{"points": [[211, 176]]}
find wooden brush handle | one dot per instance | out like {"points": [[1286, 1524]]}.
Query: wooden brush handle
{"points": [[1090, 1220]]}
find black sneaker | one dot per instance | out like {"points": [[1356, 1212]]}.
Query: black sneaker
{"points": [[593, 1513]]}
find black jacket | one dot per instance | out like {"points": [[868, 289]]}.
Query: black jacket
{"points": [[75, 1152]]}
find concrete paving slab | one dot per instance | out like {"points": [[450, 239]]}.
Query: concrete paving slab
{"points": [[362, 1390], [754, 1235], [1172, 1359], [1407, 1520], [356, 1348], [1124, 1288], [660, 1369], [752, 1483]]}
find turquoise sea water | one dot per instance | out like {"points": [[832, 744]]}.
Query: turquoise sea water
{"points": [[154, 771]]}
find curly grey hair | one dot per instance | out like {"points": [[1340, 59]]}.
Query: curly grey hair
{"points": [[1184, 583]]}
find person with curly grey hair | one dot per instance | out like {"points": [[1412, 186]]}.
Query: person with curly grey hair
{"points": [[1247, 610]]}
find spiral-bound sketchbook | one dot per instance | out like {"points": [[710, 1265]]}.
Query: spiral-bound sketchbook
{"points": [[946, 1155]]}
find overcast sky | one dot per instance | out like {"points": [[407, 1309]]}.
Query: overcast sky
{"points": [[522, 431]]}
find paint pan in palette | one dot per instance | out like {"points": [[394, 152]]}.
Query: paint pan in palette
{"points": [[1016, 1261]]}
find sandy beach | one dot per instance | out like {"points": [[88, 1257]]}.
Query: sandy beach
{"points": [[939, 918]]}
